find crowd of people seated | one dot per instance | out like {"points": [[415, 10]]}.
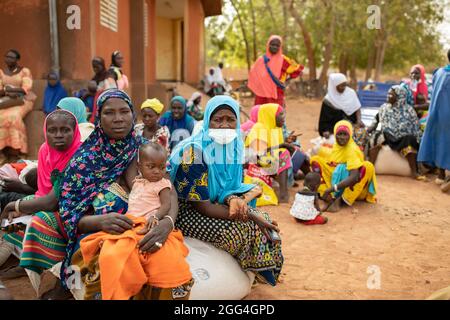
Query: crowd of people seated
{"points": [[116, 198]]}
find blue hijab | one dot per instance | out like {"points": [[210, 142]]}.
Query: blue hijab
{"points": [[52, 95], [76, 106], [225, 162], [187, 122]]}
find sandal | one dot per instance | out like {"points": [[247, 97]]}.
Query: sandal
{"points": [[421, 178]]}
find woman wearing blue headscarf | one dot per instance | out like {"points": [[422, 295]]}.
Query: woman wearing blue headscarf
{"points": [[53, 93], [178, 121], [214, 203]]}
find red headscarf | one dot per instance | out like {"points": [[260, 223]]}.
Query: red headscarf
{"points": [[422, 87], [50, 159], [259, 80]]}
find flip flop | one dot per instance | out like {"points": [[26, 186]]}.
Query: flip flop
{"points": [[421, 178]]}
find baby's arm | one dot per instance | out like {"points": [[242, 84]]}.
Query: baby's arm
{"points": [[164, 197]]}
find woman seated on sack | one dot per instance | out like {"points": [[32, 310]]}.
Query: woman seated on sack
{"points": [[91, 195], [346, 177], [62, 140], [397, 126], [215, 206]]}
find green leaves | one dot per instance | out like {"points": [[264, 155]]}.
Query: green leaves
{"points": [[408, 31]]}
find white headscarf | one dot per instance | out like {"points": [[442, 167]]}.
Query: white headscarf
{"points": [[218, 77], [347, 101], [194, 97]]}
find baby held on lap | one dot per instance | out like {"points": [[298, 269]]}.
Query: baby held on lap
{"points": [[150, 195]]}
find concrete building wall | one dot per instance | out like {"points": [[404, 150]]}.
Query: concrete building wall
{"points": [[25, 26], [193, 33], [152, 44], [75, 64], [178, 49], [107, 41], [175, 48]]}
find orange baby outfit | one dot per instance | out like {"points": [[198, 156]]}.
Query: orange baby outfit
{"points": [[124, 270], [144, 197]]}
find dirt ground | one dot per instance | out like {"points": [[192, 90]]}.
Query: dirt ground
{"points": [[404, 237], [396, 249]]}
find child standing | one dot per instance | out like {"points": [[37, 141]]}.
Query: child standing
{"points": [[306, 207]]}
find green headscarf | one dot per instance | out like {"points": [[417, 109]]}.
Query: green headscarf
{"points": [[76, 106]]}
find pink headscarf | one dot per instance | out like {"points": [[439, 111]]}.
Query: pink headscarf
{"points": [[422, 87], [50, 159], [248, 125], [259, 80]]}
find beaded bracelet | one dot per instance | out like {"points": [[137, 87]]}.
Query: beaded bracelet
{"points": [[229, 198]]}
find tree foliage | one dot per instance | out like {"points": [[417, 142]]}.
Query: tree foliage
{"points": [[338, 30]]}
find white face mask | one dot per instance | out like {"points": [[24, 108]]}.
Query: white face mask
{"points": [[222, 136]]}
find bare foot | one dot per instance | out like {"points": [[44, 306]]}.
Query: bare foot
{"points": [[445, 187], [57, 293], [13, 273], [335, 206]]}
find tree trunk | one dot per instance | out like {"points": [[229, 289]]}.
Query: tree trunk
{"points": [[353, 76], [272, 16], [244, 35], [370, 63], [381, 50], [255, 49], [285, 23], [343, 63], [327, 55], [306, 38]]}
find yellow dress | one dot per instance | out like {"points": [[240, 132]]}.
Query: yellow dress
{"points": [[351, 155], [265, 134]]}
